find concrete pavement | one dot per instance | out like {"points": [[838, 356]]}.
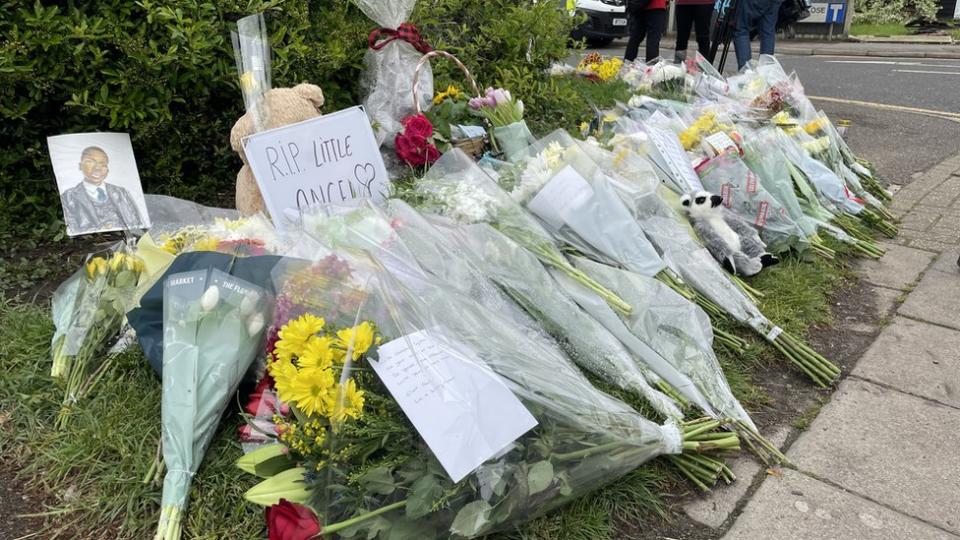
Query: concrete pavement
{"points": [[881, 459]]}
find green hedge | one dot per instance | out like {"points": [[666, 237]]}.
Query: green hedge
{"points": [[164, 72]]}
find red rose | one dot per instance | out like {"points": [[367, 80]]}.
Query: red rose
{"points": [[431, 153], [417, 125], [291, 521]]}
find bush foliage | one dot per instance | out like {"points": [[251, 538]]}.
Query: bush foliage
{"points": [[163, 70], [898, 11]]}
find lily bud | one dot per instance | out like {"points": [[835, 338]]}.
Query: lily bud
{"points": [[255, 324]]}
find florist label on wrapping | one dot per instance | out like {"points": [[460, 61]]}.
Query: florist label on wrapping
{"points": [[463, 411], [331, 159]]}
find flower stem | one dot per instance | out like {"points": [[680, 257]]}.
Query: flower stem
{"points": [[330, 529]]}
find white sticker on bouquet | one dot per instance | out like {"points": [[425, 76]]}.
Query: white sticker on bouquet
{"points": [[464, 412], [673, 158], [566, 192]]}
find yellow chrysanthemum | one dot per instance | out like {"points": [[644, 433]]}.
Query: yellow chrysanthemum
{"points": [[349, 402], [815, 126], [313, 391], [317, 353], [294, 335], [284, 374], [358, 339]]}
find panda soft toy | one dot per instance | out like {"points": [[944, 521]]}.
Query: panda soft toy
{"points": [[728, 237]]}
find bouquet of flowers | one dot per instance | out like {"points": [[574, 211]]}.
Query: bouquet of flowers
{"points": [[659, 79], [457, 188], [90, 311], [597, 68], [505, 114], [213, 325], [371, 460], [638, 187]]}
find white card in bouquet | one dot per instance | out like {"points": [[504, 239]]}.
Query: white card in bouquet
{"points": [[720, 142], [671, 156], [331, 159], [463, 411], [564, 193]]}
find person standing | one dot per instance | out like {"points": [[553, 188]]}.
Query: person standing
{"points": [[759, 15], [648, 19], [693, 14]]}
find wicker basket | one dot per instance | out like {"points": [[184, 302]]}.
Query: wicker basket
{"points": [[473, 146]]}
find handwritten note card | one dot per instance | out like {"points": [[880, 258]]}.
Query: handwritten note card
{"points": [[564, 193], [331, 159], [464, 411]]}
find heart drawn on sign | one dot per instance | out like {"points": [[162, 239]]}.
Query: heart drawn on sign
{"points": [[365, 175]]}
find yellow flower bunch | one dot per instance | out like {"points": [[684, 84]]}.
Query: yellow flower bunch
{"points": [[604, 68], [452, 92], [704, 126], [306, 356], [119, 262], [609, 68], [816, 145], [783, 118], [817, 126]]}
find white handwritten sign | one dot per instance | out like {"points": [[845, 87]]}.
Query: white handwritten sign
{"points": [[670, 156], [330, 159], [463, 411]]}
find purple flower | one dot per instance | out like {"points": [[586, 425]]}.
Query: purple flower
{"points": [[476, 103]]}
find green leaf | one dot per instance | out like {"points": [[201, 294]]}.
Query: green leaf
{"points": [[540, 476], [287, 485], [471, 519], [379, 480], [424, 493]]}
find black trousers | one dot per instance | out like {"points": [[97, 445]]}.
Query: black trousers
{"points": [[649, 24], [697, 16]]}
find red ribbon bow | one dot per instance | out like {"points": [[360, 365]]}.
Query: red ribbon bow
{"points": [[406, 32]]}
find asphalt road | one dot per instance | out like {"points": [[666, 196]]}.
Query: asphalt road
{"points": [[901, 143]]}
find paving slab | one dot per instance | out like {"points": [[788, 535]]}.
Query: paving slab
{"points": [[897, 269], [885, 302], [898, 449], [916, 357], [712, 509], [798, 507], [936, 299], [947, 261]]}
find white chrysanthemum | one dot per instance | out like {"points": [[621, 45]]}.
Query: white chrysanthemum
{"points": [[467, 203]]}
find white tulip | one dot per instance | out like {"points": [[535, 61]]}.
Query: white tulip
{"points": [[255, 324], [210, 298]]}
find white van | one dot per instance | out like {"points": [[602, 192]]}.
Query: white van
{"points": [[606, 20]]}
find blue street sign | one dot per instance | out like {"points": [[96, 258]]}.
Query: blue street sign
{"points": [[835, 13]]}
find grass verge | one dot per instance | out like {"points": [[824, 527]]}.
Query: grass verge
{"points": [[880, 30]]}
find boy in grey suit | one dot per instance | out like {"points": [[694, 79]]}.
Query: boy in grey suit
{"points": [[93, 204]]}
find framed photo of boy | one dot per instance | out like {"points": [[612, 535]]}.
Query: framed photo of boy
{"points": [[98, 182]]}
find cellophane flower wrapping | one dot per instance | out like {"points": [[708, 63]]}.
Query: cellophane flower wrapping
{"points": [[639, 188], [476, 256], [584, 339], [369, 474], [575, 201], [89, 311], [213, 327], [251, 49], [764, 157], [679, 331], [388, 78], [743, 194]]}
